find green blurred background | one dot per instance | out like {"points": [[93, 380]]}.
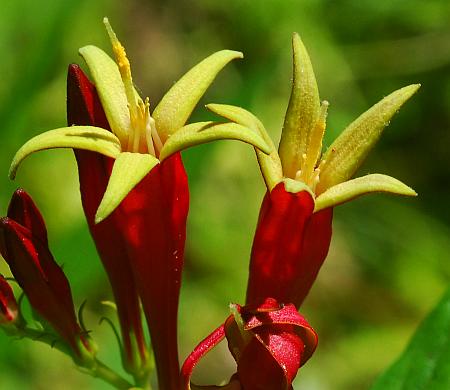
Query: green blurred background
{"points": [[389, 259]]}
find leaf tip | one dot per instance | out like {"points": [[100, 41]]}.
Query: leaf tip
{"points": [[12, 171]]}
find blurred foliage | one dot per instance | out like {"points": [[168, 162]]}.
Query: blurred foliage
{"points": [[425, 363], [388, 264]]}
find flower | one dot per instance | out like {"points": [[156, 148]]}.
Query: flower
{"points": [[139, 140], [303, 184], [24, 246], [272, 340], [8, 304], [139, 264], [294, 229], [134, 188]]}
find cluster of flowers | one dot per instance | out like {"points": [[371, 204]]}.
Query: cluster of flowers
{"points": [[135, 196]]}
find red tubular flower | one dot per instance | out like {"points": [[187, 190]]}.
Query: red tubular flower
{"points": [[94, 170], [154, 222], [144, 235], [24, 246], [269, 343], [8, 303], [291, 243], [303, 184]]}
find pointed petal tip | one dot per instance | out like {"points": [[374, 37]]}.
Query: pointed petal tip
{"points": [[233, 54], [128, 170], [410, 89], [100, 216], [12, 171]]}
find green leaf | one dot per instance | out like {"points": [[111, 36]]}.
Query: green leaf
{"points": [[425, 364], [110, 88], [270, 164], [302, 112], [203, 132], [90, 138], [352, 189], [128, 170], [178, 103], [349, 150]]}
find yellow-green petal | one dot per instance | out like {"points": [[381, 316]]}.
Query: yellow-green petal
{"points": [[178, 103], [270, 163], [203, 132], [128, 170], [90, 138], [351, 189], [302, 113], [349, 150], [296, 186], [110, 88]]}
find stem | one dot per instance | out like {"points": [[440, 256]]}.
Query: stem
{"points": [[100, 370], [37, 335], [97, 370]]}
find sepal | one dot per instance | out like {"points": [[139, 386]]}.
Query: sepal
{"points": [[90, 138], [176, 106]]}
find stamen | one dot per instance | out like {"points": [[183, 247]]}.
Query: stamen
{"points": [[148, 127], [155, 135]]}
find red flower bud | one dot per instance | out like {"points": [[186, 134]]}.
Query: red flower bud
{"points": [[24, 246], [8, 304], [290, 245], [269, 342]]}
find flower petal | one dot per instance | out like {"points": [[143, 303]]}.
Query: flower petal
{"points": [[110, 88], [153, 220], [8, 304], [199, 351], [203, 132], [302, 112], [270, 164], [271, 360], [178, 103], [128, 170], [349, 150], [351, 189], [277, 260], [78, 137], [23, 210]]}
